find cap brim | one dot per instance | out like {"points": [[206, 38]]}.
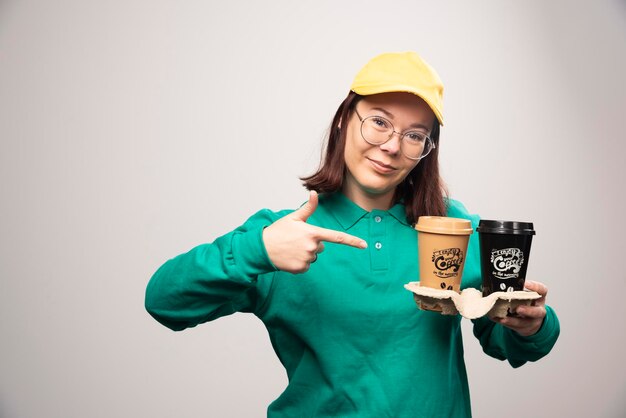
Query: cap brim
{"points": [[369, 90]]}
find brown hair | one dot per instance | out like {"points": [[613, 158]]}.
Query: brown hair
{"points": [[422, 191]]}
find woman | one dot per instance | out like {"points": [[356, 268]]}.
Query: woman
{"points": [[327, 279]]}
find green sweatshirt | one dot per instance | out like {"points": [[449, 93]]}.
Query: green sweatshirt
{"points": [[350, 337]]}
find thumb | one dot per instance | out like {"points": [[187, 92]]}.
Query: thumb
{"points": [[538, 287], [306, 210]]}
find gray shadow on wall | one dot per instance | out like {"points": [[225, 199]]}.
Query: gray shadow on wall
{"points": [[5, 8], [621, 5]]}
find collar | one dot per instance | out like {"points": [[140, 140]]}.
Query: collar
{"points": [[398, 211], [349, 213]]}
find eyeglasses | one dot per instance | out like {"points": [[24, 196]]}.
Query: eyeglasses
{"points": [[377, 130]]}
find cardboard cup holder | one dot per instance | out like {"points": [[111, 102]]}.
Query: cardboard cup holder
{"points": [[470, 303]]}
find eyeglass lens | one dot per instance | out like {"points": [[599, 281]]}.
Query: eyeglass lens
{"points": [[377, 130]]}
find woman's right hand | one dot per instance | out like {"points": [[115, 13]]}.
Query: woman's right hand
{"points": [[292, 244]]}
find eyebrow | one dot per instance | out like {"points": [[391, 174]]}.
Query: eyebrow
{"points": [[390, 116]]}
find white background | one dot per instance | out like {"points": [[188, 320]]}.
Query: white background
{"points": [[131, 131]]}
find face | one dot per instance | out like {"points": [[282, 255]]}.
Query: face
{"points": [[374, 171]]}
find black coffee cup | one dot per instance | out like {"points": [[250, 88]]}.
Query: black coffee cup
{"points": [[504, 252]]}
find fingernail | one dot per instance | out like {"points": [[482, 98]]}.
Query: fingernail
{"points": [[363, 244]]}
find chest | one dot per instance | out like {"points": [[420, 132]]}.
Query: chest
{"points": [[350, 290]]}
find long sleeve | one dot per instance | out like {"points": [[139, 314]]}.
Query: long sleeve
{"points": [[496, 340], [212, 280], [505, 344]]}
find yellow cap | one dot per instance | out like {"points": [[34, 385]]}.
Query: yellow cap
{"points": [[401, 71]]}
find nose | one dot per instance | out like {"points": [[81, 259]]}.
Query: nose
{"points": [[392, 146]]}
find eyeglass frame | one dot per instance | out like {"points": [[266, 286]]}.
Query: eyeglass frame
{"points": [[393, 131]]}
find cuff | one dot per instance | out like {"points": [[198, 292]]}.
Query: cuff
{"points": [[251, 253], [547, 333]]}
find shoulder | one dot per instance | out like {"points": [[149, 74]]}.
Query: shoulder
{"points": [[326, 204], [266, 217], [457, 209]]}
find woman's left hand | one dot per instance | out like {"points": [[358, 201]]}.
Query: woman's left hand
{"points": [[529, 318]]}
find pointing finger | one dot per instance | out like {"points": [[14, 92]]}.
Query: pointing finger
{"points": [[338, 237], [306, 210]]}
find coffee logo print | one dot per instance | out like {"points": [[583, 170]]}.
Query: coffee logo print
{"points": [[447, 262], [504, 288], [507, 263]]}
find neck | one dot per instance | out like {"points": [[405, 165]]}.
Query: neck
{"points": [[369, 201]]}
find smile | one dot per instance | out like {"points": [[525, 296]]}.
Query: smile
{"points": [[380, 166]]}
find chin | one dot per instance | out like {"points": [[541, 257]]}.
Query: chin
{"points": [[378, 188]]}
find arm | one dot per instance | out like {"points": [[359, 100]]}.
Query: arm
{"points": [[211, 280], [527, 337]]}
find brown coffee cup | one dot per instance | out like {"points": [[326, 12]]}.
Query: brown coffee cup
{"points": [[442, 247]]}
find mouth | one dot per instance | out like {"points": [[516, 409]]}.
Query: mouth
{"points": [[380, 166]]}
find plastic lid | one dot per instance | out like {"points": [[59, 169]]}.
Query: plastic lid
{"points": [[505, 227], [444, 225]]}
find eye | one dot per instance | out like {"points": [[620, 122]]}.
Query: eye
{"points": [[380, 122], [415, 136]]}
